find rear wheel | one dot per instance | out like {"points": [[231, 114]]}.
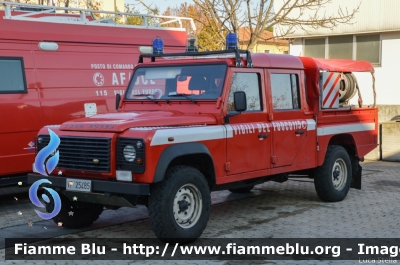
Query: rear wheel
{"points": [[179, 205], [332, 180], [242, 190], [74, 214]]}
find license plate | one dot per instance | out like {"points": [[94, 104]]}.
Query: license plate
{"points": [[79, 185]]}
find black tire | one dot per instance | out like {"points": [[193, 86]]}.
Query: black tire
{"points": [[242, 190], [330, 186], [83, 214], [180, 184]]}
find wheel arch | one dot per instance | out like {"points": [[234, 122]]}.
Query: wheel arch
{"points": [[196, 155], [347, 142]]}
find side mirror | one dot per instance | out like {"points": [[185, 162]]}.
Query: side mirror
{"points": [[239, 101], [117, 101]]}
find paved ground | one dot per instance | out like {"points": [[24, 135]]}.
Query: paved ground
{"points": [[288, 210]]}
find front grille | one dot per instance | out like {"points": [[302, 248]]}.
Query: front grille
{"points": [[79, 153], [138, 164]]}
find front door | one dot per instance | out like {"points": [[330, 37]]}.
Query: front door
{"points": [[249, 133]]}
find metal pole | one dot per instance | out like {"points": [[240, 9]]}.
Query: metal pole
{"points": [[8, 11]]}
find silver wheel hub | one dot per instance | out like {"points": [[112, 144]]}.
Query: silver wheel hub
{"points": [[187, 206], [339, 174]]}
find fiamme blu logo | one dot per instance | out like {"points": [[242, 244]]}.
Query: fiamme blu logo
{"points": [[45, 162]]}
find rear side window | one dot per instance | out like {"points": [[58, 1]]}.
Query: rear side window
{"points": [[285, 91], [12, 78]]}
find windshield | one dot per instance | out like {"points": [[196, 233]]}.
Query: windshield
{"points": [[186, 82]]}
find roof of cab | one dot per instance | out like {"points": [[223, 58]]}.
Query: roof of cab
{"points": [[269, 60], [259, 60]]}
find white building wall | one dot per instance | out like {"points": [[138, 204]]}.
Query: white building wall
{"points": [[387, 76], [109, 5], [372, 16]]}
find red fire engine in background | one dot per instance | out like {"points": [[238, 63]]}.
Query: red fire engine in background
{"points": [[55, 67], [218, 120]]}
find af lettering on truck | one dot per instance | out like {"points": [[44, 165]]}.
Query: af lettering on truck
{"points": [[224, 120], [59, 66]]}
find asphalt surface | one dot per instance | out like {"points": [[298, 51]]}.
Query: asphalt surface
{"points": [[272, 210]]}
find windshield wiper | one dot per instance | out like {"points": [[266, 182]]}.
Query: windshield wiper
{"points": [[175, 94], [148, 96]]}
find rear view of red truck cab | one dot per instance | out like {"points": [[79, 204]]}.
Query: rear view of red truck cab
{"points": [[213, 121]]}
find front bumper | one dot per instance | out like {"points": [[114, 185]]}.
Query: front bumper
{"points": [[103, 192]]}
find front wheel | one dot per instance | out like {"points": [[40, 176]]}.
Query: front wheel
{"points": [[179, 205], [332, 180]]}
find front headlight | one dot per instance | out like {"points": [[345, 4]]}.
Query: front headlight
{"points": [[129, 153]]}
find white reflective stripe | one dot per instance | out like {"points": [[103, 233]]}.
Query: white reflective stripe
{"points": [[203, 133], [229, 131], [310, 125], [161, 127], [337, 129], [185, 135]]}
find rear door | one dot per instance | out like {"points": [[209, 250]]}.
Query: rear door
{"points": [[290, 122]]}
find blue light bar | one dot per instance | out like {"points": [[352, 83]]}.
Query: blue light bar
{"points": [[158, 46], [231, 41]]}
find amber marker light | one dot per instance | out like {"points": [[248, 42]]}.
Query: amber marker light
{"points": [[139, 160]]}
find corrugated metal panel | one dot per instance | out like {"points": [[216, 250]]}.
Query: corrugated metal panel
{"points": [[373, 16]]}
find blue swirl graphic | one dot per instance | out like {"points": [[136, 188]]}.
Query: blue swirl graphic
{"points": [[46, 152], [35, 200], [45, 198], [40, 166]]}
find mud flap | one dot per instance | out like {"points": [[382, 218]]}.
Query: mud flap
{"points": [[356, 179]]}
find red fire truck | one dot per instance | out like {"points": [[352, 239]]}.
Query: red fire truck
{"points": [[55, 67], [224, 120]]}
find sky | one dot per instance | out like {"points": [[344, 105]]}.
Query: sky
{"points": [[162, 4]]}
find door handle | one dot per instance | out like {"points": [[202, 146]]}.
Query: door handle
{"points": [[263, 136], [299, 132]]}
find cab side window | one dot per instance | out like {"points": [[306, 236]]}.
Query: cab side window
{"points": [[285, 91], [12, 78], [250, 84]]}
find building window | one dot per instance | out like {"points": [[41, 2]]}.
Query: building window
{"points": [[250, 84], [368, 48], [266, 51], [314, 48], [355, 47], [285, 91], [12, 77], [340, 47]]}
